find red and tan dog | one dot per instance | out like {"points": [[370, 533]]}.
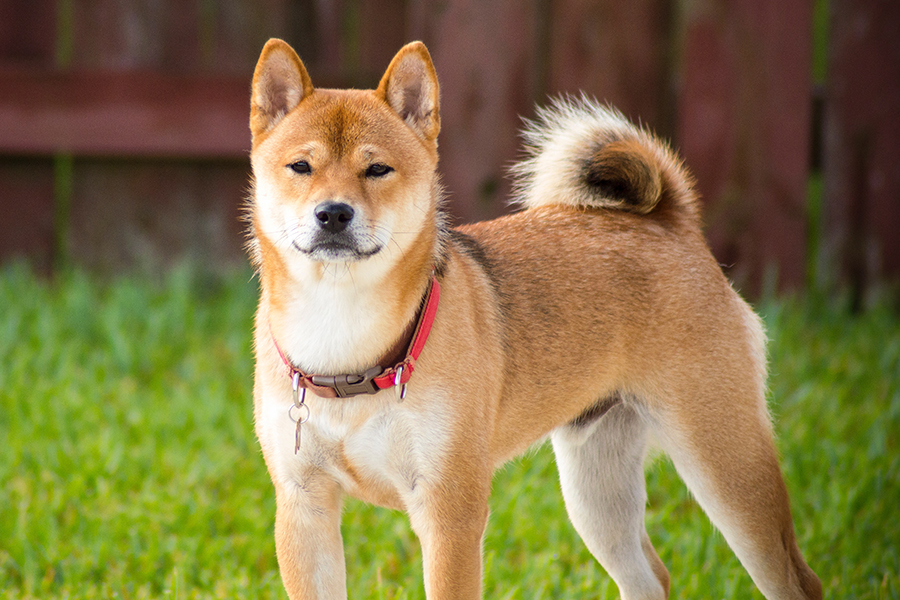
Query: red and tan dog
{"points": [[401, 362]]}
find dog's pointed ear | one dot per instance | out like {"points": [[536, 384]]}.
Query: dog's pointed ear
{"points": [[280, 82], [410, 87]]}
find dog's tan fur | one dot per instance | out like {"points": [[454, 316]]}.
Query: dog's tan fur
{"points": [[595, 316]]}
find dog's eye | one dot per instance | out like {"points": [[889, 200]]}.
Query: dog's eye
{"points": [[301, 167], [378, 170]]}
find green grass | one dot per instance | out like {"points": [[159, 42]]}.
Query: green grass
{"points": [[129, 468]]}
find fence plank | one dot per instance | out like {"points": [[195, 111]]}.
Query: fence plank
{"points": [[484, 55], [744, 129], [27, 31], [382, 32], [132, 34], [27, 39], [862, 143], [123, 113], [239, 29], [26, 203], [151, 214], [615, 51]]}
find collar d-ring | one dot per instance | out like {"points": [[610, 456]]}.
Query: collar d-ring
{"points": [[399, 386], [299, 394]]}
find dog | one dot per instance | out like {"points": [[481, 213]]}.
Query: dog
{"points": [[401, 361]]}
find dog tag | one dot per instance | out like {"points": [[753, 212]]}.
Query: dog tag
{"points": [[300, 420], [299, 395]]}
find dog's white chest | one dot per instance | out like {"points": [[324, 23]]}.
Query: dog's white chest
{"points": [[375, 448]]}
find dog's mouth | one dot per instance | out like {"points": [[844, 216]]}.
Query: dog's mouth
{"points": [[334, 250]]}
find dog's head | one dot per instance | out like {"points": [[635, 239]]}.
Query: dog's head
{"points": [[343, 177]]}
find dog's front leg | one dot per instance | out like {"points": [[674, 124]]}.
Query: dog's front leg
{"points": [[449, 518], [308, 540]]}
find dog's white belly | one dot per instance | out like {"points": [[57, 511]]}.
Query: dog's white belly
{"points": [[375, 448]]}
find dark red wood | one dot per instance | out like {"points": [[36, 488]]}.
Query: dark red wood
{"points": [[27, 39], [166, 81], [233, 33], [128, 113], [153, 214], [615, 51], [154, 83], [862, 143], [330, 56], [484, 55], [26, 206], [27, 31], [121, 34], [382, 32], [221, 38], [743, 127]]}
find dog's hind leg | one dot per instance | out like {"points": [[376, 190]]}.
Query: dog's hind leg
{"points": [[724, 452], [601, 471]]}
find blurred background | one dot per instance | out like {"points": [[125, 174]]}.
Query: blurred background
{"points": [[124, 137]]}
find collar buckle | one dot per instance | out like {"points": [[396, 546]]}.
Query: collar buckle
{"points": [[350, 385]]}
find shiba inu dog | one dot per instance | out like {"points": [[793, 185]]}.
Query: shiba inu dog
{"points": [[401, 361]]}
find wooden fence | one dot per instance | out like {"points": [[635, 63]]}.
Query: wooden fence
{"points": [[124, 139]]}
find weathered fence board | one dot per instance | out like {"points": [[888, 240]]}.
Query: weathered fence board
{"points": [[129, 113], [862, 143], [615, 51], [27, 31], [151, 214], [27, 228], [482, 52], [744, 128]]}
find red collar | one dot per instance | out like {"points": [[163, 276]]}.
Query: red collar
{"points": [[377, 378]]}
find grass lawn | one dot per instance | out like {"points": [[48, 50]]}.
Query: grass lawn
{"points": [[129, 468]]}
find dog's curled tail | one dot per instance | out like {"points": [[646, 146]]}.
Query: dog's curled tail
{"points": [[583, 154]]}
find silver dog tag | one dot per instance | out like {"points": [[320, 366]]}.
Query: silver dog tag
{"points": [[299, 395]]}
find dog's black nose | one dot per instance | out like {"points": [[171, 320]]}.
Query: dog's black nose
{"points": [[334, 216]]}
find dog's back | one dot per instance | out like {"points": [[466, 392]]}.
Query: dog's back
{"points": [[613, 306]]}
